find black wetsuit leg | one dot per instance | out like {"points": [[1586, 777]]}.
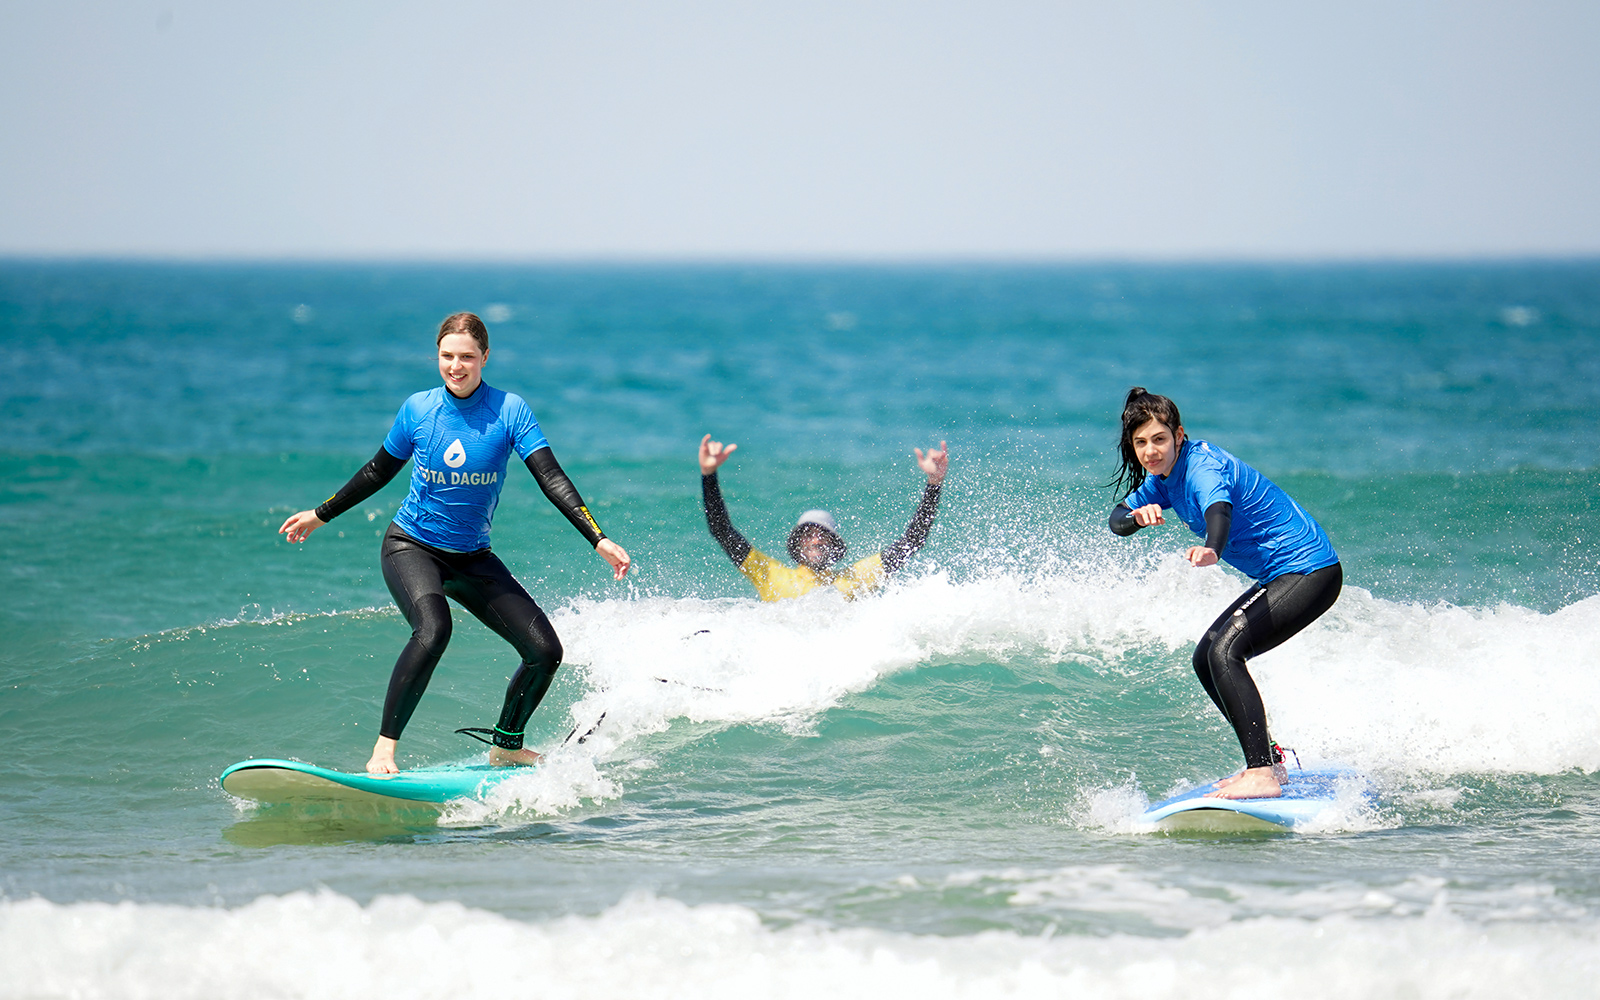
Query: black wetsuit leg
{"points": [[420, 577], [1262, 618]]}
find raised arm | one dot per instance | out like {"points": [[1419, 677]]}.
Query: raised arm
{"points": [[935, 463], [558, 489], [369, 479], [712, 455]]}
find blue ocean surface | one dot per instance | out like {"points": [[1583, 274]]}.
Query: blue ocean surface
{"points": [[932, 792]]}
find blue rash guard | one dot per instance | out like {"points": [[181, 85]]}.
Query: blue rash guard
{"points": [[1271, 535], [461, 448]]}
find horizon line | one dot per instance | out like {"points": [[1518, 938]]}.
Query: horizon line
{"points": [[802, 260]]}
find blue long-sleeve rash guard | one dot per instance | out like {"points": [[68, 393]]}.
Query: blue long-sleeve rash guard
{"points": [[459, 448], [454, 505], [1269, 534]]}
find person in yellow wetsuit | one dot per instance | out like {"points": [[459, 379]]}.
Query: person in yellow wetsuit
{"points": [[815, 543]]}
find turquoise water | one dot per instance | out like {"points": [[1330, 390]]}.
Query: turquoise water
{"points": [[929, 793]]}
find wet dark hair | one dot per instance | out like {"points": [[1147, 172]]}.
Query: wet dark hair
{"points": [[1139, 409], [467, 323]]}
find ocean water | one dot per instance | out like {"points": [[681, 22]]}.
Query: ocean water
{"points": [[929, 793]]}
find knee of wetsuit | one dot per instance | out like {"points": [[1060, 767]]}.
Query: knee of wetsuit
{"points": [[539, 654], [432, 632], [430, 622], [1225, 643]]}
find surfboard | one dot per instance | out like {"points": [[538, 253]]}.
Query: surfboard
{"points": [[270, 780], [1309, 793]]}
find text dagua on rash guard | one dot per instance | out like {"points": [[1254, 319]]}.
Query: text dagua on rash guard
{"points": [[460, 448]]}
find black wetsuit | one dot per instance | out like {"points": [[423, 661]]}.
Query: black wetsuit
{"points": [[421, 576], [1268, 613], [1260, 619]]}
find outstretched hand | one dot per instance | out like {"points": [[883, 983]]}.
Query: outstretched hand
{"points": [[1148, 515], [712, 455], [934, 463], [1199, 555], [300, 525], [616, 555]]}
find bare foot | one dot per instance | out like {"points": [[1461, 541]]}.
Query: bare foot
{"points": [[382, 761], [501, 757], [1279, 772], [1252, 783]]}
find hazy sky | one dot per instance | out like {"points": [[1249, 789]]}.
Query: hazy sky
{"points": [[859, 129]]}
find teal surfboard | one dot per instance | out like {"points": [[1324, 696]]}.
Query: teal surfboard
{"points": [[1309, 793], [273, 781]]}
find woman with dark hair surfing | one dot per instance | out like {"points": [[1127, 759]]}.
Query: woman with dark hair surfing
{"points": [[460, 436], [1250, 524]]}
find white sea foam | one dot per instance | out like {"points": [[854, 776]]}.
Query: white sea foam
{"points": [[1377, 683], [1326, 943], [1441, 689], [741, 660], [1397, 689]]}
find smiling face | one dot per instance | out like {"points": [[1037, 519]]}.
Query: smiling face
{"points": [[461, 364], [816, 549], [814, 546], [1157, 446]]}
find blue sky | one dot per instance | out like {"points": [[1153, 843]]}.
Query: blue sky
{"points": [[854, 130]]}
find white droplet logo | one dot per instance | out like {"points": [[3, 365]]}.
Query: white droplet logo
{"points": [[455, 455]]}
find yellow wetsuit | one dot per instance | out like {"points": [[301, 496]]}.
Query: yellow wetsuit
{"points": [[774, 580]]}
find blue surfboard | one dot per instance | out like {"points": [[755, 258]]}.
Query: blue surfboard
{"points": [[1308, 794], [273, 781]]}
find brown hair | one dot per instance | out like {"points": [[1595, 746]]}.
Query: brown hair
{"points": [[1139, 409], [467, 323]]}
